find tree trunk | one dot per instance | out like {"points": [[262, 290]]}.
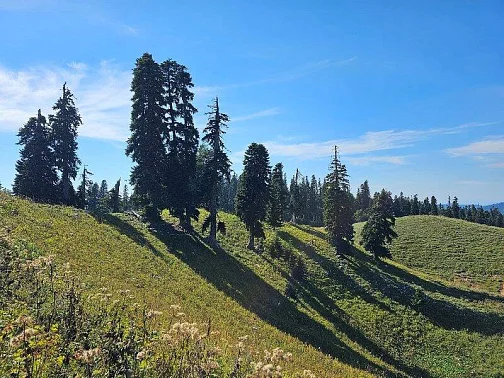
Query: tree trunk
{"points": [[65, 183], [213, 218], [250, 244]]}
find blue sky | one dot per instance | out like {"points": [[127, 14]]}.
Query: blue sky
{"points": [[411, 92]]}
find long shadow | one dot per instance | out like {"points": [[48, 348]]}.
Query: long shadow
{"points": [[438, 287], [325, 306], [309, 230], [334, 272], [235, 279], [383, 278]]}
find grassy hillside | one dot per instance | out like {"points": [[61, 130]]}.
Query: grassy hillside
{"points": [[462, 252], [382, 318]]}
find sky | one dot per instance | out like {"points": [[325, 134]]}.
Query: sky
{"points": [[412, 93]]}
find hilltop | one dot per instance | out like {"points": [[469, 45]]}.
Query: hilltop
{"points": [[344, 317]]}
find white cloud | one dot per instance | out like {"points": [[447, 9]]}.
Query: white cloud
{"points": [[367, 160], [102, 95], [369, 142], [493, 145], [260, 114]]}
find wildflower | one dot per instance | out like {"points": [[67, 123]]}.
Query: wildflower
{"points": [[243, 338], [141, 355], [175, 307], [25, 335], [87, 356]]}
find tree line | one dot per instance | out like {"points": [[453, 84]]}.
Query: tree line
{"points": [[173, 170]]}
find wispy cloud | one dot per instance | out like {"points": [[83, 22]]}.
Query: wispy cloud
{"points": [[368, 160], [494, 145], [367, 143], [102, 96], [260, 114], [289, 75]]}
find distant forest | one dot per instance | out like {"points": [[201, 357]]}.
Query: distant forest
{"points": [[177, 170]]}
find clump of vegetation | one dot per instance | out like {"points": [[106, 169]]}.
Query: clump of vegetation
{"points": [[48, 327]]}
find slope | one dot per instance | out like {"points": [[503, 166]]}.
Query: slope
{"points": [[383, 318], [456, 250]]}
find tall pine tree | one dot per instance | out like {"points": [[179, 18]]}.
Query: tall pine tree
{"points": [[278, 199], [217, 167], [378, 230], [36, 176], [146, 145], [338, 206], [253, 191], [64, 124]]}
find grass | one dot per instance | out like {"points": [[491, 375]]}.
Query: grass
{"points": [[464, 253], [351, 316]]}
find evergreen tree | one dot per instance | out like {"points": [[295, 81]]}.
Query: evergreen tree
{"points": [[181, 140], [115, 197], [426, 206], [434, 206], [415, 206], [295, 202], [363, 198], [227, 195], [36, 176], [103, 190], [125, 198], [83, 189], [253, 191], [217, 167], [378, 230], [338, 206], [64, 124], [146, 144], [455, 208], [277, 197], [93, 197]]}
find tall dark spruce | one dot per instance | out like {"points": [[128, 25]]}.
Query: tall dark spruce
{"points": [[378, 231], [278, 197], [180, 137], [217, 167], [36, 176], [253, 191], [146, 145], [64, 124], [338, 206]]}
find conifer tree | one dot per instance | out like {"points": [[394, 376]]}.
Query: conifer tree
{"points": [[455, 208], [181, 141], [145, 145], [434, 206], [115, 197], [103, 189], [125, 198], [36, 176], [277, 197], [84, 188], [426, 207], [338, 206], [415, 206], [227, 194], [295, 205], [93, 197], [378, 230], [253, 191], [217, 166], [64, 124]]}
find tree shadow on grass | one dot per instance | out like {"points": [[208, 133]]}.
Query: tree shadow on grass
{"points": [[236, 280], [317, 300], [309, 230], [388, 280]]}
